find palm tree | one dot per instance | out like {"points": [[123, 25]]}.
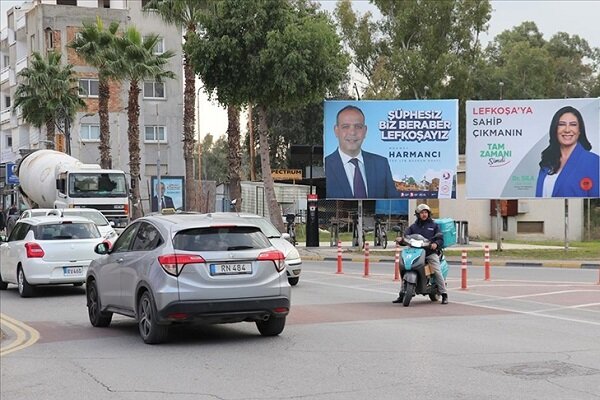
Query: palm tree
{"points": [[48, 88], [138, 63], [95, 45], [185, 14]]}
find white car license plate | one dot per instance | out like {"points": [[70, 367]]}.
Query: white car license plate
{"points": [[230, 269], [73, 271]]}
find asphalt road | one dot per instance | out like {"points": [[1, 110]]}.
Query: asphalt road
{"points": [[528, 333]]}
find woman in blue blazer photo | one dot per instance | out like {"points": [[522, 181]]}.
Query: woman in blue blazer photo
{"points": [[568, 168]]}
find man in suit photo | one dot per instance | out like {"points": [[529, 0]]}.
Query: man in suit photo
{"points": [[165, 201], [351, 172]]}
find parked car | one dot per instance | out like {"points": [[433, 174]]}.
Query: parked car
{"points": [[185, 268], [281, 243], [47, 250], [106, 228]]}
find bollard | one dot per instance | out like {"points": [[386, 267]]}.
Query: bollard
{"points": [[487, 263], [339, 258], [366, 259], [463, 271], [598, 276], [397, 263]]}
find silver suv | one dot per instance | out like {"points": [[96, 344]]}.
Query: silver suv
{"points": [[207, 268]]}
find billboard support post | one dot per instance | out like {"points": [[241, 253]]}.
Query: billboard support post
{"points": [[566, 224], [360, 224]]}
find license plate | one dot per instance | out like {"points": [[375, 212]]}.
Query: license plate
{"points": [[73, 271], [230, 269]]}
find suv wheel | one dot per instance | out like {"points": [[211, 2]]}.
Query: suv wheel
{"points": [[25, 289], [98, 318], [150, 331], [271, 327]]}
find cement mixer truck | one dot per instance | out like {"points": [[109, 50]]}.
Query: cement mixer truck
{"points": [[51, 179]]}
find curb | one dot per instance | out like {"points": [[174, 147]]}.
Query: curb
{"points": [[507, 263]]}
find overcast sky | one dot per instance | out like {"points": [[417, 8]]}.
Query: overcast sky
{"points": [[574, 17]]}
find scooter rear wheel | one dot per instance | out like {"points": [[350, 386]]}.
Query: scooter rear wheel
{"points": [[433, 297], [408, 295]]}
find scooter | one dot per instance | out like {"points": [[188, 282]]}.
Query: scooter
{"points": [[417, 275]]}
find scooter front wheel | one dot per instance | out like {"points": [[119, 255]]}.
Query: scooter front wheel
{"points": [[433, 297], [408, 294]]}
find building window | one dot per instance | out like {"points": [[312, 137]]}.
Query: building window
{"points": [[6, 61], [66, 2], [159, 48], [530, 226], [154, 90], [49, 38], [7, 101], [90, 132], [88, 87], [32, 45], [9, 141], [155, 133]]}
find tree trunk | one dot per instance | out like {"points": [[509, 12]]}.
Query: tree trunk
{"points": [[50, 132], [189, 141], [234, 158], [265, 163], [133, 136], [104, 146]]}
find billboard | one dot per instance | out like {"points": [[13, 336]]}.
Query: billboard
{"points": [[519, 149], [171, 187], [389, 149]]}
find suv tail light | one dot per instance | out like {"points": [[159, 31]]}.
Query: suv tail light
{"points": [[273, 255], [34, 250], [174, 263]]}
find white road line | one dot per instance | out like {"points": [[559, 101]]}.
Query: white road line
{"points": [[469, 303]]}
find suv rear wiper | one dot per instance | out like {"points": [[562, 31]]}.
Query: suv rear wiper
{"points": [[240, 247]]}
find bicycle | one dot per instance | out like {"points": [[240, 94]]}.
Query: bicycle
{"points": [[380, 235], [291, 227]]}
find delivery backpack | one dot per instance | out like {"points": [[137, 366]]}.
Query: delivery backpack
{"points": [[448, 229]]}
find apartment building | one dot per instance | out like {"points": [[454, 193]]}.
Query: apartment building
{"points": [[49, 25]]}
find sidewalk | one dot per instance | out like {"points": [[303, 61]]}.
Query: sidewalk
{"points": [[349, 253]]}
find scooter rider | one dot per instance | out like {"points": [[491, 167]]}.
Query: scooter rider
{"points": [[426, 227]]}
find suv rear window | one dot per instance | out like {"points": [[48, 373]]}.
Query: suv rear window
{"points": [[220, 239], [67, 230]]}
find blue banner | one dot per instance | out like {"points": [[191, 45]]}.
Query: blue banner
{"points": [[386, 149], [11, 176]]}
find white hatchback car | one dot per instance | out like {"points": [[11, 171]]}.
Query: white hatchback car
{"points": [[106, 229], [280, 242], [47, 250]]}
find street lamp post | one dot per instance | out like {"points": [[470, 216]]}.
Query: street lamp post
{"points": [[199, 196]]}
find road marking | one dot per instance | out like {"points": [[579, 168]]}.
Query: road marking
{"points": [[476, 303], [25, 335]]}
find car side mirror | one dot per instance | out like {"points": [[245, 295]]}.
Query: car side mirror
{"points": [[3, 238], [102, 248], [112, 223], [285, 236]]}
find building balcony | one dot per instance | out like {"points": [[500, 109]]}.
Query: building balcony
{"points": [[4, 74], [21, 22], [4, 116], [21, 64]]}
